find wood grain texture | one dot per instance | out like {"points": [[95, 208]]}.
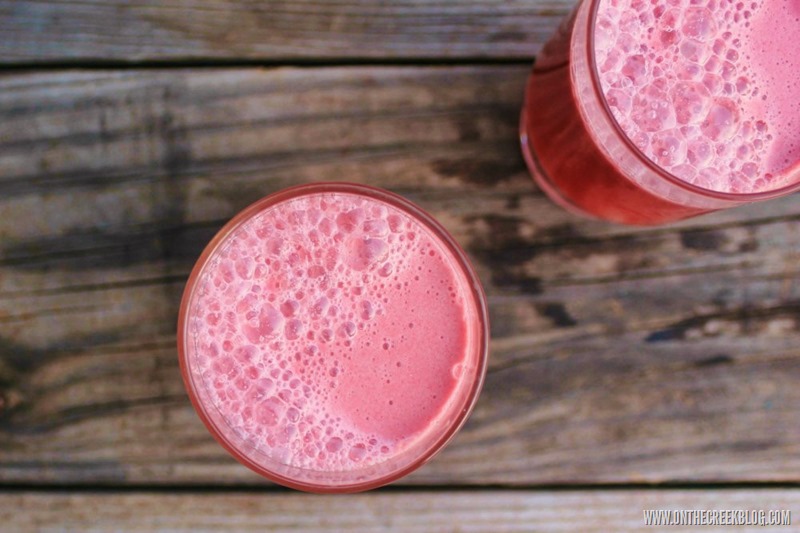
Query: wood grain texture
{"points": [[274, 30], [478, 511], [618, 354]]}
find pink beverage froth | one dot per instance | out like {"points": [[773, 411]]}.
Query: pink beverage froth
{"points": [[334, 337], [709, 90]]}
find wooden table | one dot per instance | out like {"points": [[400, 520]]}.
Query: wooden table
{"points": [[630, 369]]}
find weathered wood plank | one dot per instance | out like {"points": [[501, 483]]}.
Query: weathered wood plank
{"points": [[619, 354], [479, 511], [278, 30]]}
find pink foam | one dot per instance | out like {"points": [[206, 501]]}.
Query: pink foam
{"points": [[708, 89], [326, 330]]}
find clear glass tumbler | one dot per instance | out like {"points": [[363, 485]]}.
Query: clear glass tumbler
{"points": [[579, 155], [313, 337]]}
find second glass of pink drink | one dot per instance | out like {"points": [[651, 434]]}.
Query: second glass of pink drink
{"points": [[650, 111]]}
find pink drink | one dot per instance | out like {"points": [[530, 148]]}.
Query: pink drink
{"points": [[333, 337], [678, 107]]}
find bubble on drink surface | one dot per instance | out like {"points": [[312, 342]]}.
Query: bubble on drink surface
{"points": [[635, 68], [334, 444], [457, 370], [293, 414], [619, 99], [652, 110], [246, 354], [750, 170], [269, 412], [366, 309], [347, 329], [289, 307], [376, 227], [320, 307], [713, 83], [363, 252], [263, 326], [699, 24], [668, 147], [668, 27], [224, 366], [691, 101], [244, 268], [357, 452], [699, 152], [350, 220], [293, 330], [728, 72], [386, 270], [694, 51], [722, 120]]}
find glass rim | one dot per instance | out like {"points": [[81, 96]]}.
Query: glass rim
{"points": [[650, 164], [461, 262]]}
